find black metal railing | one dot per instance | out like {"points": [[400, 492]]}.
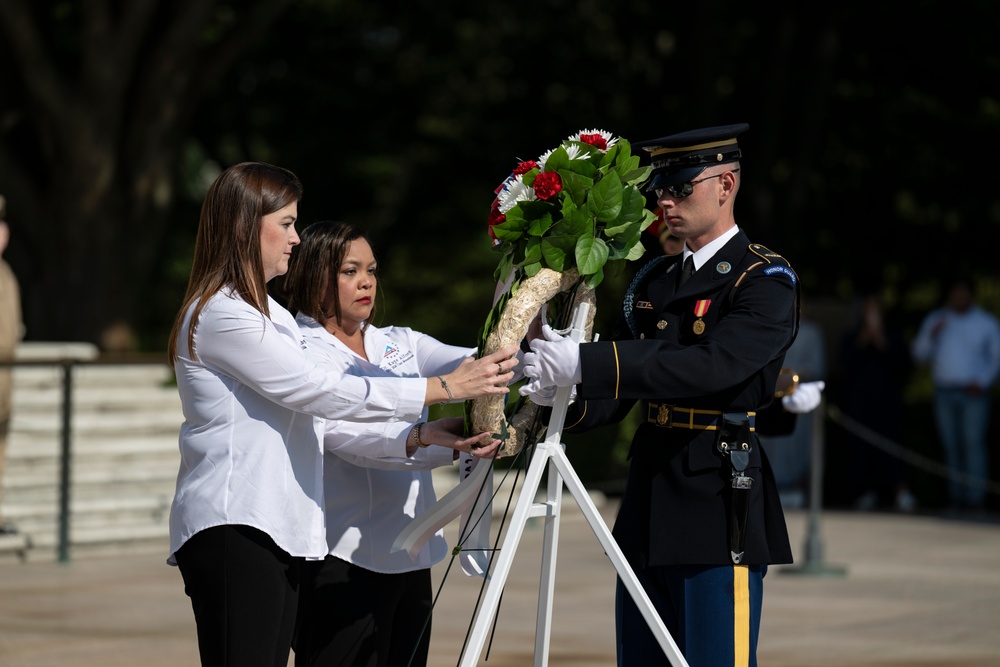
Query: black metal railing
{"points": [[67, 365]]}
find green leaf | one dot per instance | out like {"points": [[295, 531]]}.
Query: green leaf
{"points": [[647, 219], [557, 159], [637, 176], [633, 201], [580, 167], [621, 244], [556, 249], [636, 252], [594, 280], [532, 210], [513, 227], [507, 234], [533, 251], [605, 199], [532, 269], [591, 254], [574, 223], [626, 164], [613, 229], [539, 226], [610, 157], [576, 185]]}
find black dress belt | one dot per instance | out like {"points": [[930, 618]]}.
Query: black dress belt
{"points": [[671, 416]]}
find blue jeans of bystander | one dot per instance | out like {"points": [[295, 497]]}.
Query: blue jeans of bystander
{"points": [[963, 420]]}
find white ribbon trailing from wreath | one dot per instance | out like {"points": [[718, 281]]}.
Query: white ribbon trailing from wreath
{"points": [[472, 497]]}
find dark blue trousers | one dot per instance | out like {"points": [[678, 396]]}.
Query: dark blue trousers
{"points": [[711, 612]]}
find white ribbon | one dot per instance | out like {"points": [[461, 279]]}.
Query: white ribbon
{"points": [[472, 497]]}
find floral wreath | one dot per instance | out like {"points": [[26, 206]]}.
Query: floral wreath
{"points": [[559, 222]]}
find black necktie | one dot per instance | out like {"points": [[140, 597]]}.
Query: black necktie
{"points": [[687, 269]]}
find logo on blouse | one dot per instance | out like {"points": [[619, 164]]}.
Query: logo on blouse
{"points": [[395, 357]]}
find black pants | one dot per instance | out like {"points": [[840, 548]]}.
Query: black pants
{"points": [[244, 592], [353, 617]]}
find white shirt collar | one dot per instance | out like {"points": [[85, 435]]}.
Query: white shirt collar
{"points": [[708, 251]]}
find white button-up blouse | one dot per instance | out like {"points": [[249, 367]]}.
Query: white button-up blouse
{"points": [[251, 441], [373, 490]]}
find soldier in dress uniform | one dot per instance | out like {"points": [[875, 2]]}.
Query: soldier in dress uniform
{"points": [[701, 351]]}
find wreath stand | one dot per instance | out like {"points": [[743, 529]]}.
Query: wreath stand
{"points": [[551, 454]]}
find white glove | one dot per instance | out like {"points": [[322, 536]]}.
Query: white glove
{"points": [[540, 395], [554, 361], [805, 398]]}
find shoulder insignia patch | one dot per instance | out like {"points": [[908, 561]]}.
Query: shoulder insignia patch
{"points": [[771, 270]]}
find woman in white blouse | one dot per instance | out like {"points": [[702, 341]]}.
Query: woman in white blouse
{"points": [[248, 507], [365, 605]]}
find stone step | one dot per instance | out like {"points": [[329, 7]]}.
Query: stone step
{"points": [[41, 447], [124, 456], [48, 400], [105, 476], [84, 423], [88, 374]]}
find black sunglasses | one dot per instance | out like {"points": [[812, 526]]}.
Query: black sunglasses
{"points": [[681, 190]]}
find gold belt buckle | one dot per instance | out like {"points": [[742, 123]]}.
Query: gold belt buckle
{"points": [[663, 415]]}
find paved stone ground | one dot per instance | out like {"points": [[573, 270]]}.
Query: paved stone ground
{"points": [[914, 590]]}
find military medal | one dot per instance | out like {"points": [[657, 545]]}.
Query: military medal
{"points": [[700, 308]]}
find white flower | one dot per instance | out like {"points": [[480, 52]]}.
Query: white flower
{"points": [[572, 151], [608, 137], [513, 191], [543, 157]]}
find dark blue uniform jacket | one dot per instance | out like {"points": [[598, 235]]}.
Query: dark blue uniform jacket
{"points": [[716, 343]]}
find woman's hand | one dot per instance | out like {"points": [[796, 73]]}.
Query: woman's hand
{"points": [[485, 376], [449, 432]]}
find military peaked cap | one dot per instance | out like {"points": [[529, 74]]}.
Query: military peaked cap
{"points": [[681, 157]]}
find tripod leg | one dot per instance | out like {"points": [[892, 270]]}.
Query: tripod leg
{"points": [[498, 578], [547, 580], [603, 533]]}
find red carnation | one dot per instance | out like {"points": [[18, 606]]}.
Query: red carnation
{"points": [[525, 167], [595, 140], [547, 185], [496, 218]]}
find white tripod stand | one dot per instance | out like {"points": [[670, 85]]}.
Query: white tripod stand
{"points": [[551, 454]]}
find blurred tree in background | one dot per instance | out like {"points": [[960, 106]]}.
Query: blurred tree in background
{"points": [[98, 100], [870, 137]]}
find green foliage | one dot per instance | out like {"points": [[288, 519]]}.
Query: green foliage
{"points": [[578, 206], [596, 213]]}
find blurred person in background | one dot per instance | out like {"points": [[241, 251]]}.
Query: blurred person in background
{"points": [[875, 366], [11, 332], [790, 449], [960, 341]]}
